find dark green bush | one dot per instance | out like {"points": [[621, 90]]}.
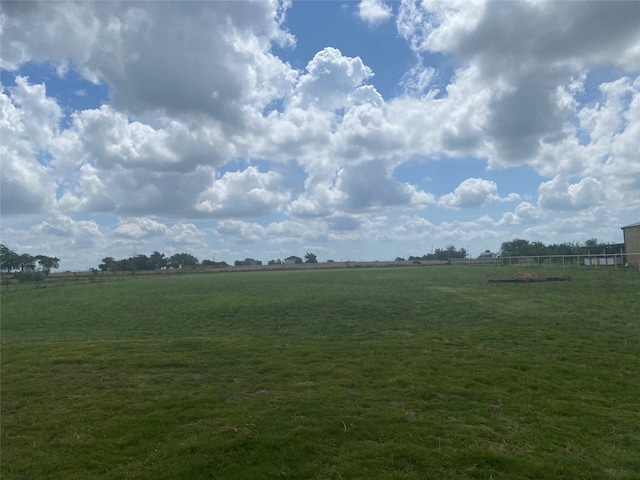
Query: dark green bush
{"points": [[23, 277]]}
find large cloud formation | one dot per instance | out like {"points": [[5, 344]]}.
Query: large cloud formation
{"points": [[521, 53]]}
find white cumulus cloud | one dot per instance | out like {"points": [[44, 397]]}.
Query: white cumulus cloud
{"points": [[559, 194], [249, 193], [329, 79], [374, 12], [28, 122], [473, 193]]}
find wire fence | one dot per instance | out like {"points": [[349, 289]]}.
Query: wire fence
{"points": [[612, 260]]}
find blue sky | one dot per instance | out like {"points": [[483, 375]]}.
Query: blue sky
{"points": [[354, 130]]}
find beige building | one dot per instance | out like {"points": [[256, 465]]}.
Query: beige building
{"points": [[632, 244]]}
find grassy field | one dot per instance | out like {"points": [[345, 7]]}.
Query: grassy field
{"points": [[413, 373]]}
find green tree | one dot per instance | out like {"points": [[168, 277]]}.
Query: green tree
{"points": [[26, 262], [448, 252], [310, 258], [9, 260], [108, 264], [592, 243], [128, 264], [538, 248], [515, 248], [142, 262], [181, 260], [157, 260], [564, 249], [47, 263]]}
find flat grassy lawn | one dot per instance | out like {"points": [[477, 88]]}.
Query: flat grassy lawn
{"points": [[413, 373]]}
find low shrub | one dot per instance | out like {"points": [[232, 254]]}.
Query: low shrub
{"points": [[23, 277]]}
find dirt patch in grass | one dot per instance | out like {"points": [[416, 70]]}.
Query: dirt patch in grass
{"points": [[527, 277]]}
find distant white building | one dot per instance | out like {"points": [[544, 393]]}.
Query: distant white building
{"points": [[487, 254], [293, 259]]}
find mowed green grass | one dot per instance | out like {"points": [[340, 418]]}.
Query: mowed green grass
{"points": [[413, 373]]}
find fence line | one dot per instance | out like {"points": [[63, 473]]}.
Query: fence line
{"points": [[613, 260]]}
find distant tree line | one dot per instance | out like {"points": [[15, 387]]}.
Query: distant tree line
{"points": [[155, 261], [27, 267], [445, 253], [525, 248], [247, 262]]}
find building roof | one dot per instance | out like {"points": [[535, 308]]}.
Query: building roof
{"points": [[637, 224]]}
